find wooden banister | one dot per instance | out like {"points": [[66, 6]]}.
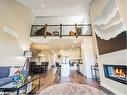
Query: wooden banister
{"points": [[45, 32], [76, 32]]}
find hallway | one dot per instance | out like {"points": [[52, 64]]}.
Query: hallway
{"points": [[51, 78]]}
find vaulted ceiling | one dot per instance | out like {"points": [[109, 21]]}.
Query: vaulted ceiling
{"points": [[57, 7], [58, 12]]}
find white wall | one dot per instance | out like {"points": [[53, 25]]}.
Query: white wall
{"points": [[72, 54], [10, 50], [123, 9], [87, 56], [61, 20], [18, 19], [118, 57], [114, 58]]}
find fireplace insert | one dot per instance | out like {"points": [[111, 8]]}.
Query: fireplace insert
{"points": [[116, 72]]}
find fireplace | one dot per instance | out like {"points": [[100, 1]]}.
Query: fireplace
{"points": [[116, 72]]}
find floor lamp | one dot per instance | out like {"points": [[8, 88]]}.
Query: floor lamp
{"points": [[27, 55]]}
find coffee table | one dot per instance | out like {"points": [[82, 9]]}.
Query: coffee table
{"points": [[28, 86]]}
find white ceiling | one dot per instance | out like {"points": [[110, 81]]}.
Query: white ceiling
{"points": [[51, 4], [57, 7], [58, 11], [56, 43]]}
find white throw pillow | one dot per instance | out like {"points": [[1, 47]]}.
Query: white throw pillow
{"points": [[12, 71]]}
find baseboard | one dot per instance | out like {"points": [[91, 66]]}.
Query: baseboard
{"points": [[111, 89]]}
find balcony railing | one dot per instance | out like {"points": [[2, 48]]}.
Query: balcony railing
{"points": [[61, 30]]}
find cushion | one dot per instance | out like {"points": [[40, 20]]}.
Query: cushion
{"points": [[12, 71], [4, 72], [6, 80], [15, 78]]}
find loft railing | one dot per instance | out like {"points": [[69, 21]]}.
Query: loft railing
{"points": [[61, 30]]}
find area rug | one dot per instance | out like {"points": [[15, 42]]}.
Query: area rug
{"points": [[71, 89]]}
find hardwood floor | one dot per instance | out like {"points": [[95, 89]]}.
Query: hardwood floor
{"points": [[51, 78]]}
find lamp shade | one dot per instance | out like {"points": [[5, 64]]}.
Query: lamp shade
{"points": [[27, 54]]}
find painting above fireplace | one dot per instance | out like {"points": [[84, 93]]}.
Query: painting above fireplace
{"points": [[116, 72]]}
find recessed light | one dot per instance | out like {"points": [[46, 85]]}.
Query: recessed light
{"points": [[43, 4], [75, 41], [61, 43], [72, 46], [78, 6]]}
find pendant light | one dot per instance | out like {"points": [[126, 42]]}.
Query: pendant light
{"points": [[41, 54]]}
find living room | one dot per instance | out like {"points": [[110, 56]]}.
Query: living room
{"points": [[102, 43]]}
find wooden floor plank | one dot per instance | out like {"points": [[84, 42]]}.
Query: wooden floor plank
{"points": [[51, 78]]}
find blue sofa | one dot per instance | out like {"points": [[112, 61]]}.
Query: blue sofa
{"points": [[4, 75]]}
